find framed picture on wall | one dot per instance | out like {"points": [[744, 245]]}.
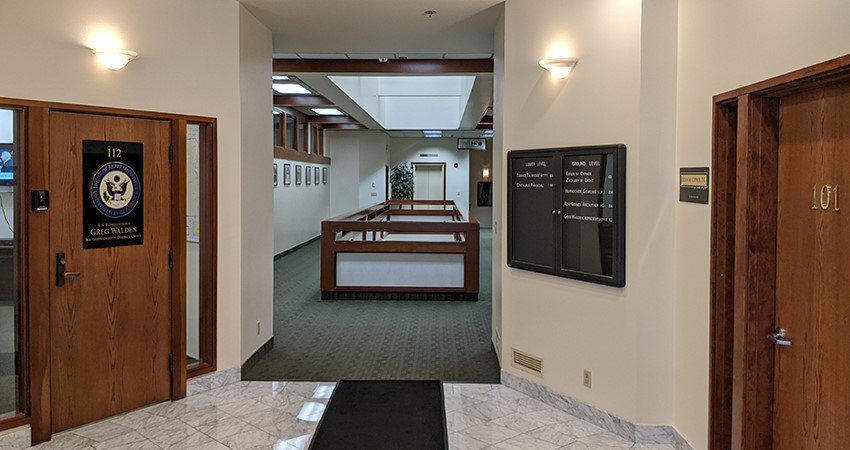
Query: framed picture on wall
{"points": [[298, 174], [485, 193], [316, 175], [287, 174], [324, 175], [307, 177], [275, 175]]}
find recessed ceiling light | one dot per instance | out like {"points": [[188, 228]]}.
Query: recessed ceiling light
{"points": [[290, 88], [432, 133], [280, 77], [487, 134], [328, 112]]}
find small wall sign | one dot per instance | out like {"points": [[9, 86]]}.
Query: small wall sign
{"points": [[113, 206], [693, 185]]}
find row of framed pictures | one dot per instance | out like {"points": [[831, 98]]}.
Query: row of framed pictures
{"points": [[311, 172]]}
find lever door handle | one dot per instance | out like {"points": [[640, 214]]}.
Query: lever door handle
{"points": [[61, 274], [779, 338]]}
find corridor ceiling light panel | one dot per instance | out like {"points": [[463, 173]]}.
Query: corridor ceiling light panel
{"points": [[290, 88], [279, 77], [432, 133], [328, 112]]}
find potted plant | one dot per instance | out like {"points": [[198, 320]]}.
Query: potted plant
{"points": [[401, 181]]}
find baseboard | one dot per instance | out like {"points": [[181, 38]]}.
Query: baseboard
{"points": [[262, 351], [639, 434], [402, 296], [297, 247]]}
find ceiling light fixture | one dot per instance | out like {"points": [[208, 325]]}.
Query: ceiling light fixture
{"points": [[432, 133], [487, 134], [559, 67], [114, 59], [328, 112], [280, 77], [290, 88]]}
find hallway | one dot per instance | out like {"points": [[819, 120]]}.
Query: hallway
{"points": [[359, 339]]}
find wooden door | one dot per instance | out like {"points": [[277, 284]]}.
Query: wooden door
{"points": [[812, 393], [111, 325]]}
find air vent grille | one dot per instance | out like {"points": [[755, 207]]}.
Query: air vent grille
{"points": [[527, 362]]}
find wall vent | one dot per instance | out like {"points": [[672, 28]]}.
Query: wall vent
{"points": [[528, 363]]}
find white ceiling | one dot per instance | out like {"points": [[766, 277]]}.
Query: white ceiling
{"points": [[378, 26], [392, 29]]}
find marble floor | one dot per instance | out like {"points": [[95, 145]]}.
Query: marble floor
{"points": [[283, 415]]}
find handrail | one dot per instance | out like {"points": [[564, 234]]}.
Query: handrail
{"points": [[366, 231]]}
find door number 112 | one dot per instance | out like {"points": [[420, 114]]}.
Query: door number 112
{"points": [[824, 197]]}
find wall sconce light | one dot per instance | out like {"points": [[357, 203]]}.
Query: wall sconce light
{"points": [[485, 173], [114, 59], [559, 67]]}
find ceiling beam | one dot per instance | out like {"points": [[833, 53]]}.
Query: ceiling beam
{"points": [[344, 126], [408, 66], [333, 119], [301, 100]]}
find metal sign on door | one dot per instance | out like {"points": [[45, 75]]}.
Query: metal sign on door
{"points": [[113, 210]]}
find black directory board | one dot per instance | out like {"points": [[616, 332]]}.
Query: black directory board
{"points": [[570, 222]]}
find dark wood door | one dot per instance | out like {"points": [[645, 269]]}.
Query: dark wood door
{"points": [[111, 325], [812, 392]]}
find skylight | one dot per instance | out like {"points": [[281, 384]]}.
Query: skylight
{"points": [[410, 102], [290, 88]]}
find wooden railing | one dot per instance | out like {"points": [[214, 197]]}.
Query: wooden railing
{"points": [[381, 229]]}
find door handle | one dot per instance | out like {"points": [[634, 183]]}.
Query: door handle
{"points": [[779, 338], [61, 274]]}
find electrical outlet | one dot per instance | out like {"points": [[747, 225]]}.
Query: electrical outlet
{"points": [[588, 378], [258, 328]]}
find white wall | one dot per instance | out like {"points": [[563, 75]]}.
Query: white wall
{"points": [[622, 335], [457, 178], [359, 159], [724, 45], [189, 63], [299, 210], [255, 50], [497, 173]]}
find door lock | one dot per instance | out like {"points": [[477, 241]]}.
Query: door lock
{"points": [[779, 338], [61, 274]]}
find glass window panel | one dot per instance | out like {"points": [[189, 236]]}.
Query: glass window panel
{"points": [[193, 234], [302, 136], [278, 118], [10, 204], [290, 131]]}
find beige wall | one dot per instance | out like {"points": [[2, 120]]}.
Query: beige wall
{"points": [[724, 45], [622, 335], [257, 212], [189, 63]]}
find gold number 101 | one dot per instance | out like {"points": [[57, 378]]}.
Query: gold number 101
{"points": [[823, 198]]}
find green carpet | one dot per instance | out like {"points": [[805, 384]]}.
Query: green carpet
{"points": [[324, 340]]}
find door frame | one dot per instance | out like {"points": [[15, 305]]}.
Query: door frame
{"points": [[425, 163], [745, 148], [37, 277]]}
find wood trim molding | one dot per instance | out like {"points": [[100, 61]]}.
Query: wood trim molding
{"points": [[301, 100], [295, 155], [408, 66], [178, 247]]}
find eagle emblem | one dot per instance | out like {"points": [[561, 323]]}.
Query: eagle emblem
{"points": [[115, 189]]}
